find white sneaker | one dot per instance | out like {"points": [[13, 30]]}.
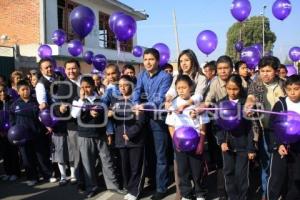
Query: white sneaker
{"points": [[52, 180], [127, 196], [12, 178], [200, 198], [31, 183], [185, 198], [131, 197]]}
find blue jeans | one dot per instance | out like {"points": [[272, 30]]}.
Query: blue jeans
{"points": [[160, 136], [264, 156]]}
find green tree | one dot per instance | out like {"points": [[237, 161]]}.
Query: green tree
{"points": [[250, 32]]}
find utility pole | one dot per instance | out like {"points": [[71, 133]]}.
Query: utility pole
{"points": [[263, 30], [176, 33]]}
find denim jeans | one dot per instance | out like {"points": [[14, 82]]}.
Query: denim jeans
{"points": [[264, 156], [160, 136]]}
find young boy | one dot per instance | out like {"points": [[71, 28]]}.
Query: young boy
{"points": [[24, 111], [285, 160], [90, 113]]}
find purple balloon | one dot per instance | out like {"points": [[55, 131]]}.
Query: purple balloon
{"points": [[286, 127], [88, 56], [186, 138], [12, 93], [4, 119], [82, 19], [75, 47], [239, 46], [259, 47], [281, 9], [251, 56], [164, 53], [47, 119], [137, 51], [112, 19], [240, 9], [294, 54], [124, 27], [18, 135], [207, 41], [45, 51], [60, 70], [99, 62], [228, 117], [291, 70], [59, 37]]}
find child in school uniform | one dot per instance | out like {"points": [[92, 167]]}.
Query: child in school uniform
{"points": [[129, 138], [11, 161], [189, 163], [284, 177], [24, 111], [92, 139], [237, 146]]}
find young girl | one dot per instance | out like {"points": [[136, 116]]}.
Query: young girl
{"points": [[241, 69], [236, 145], [9, 151], [129, 138], [189, 65], [189, 163], [92, 139]]}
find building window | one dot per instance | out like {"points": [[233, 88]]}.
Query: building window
{"points": [[107, 38], [64, 8]]}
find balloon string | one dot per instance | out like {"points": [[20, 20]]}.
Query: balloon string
{"points": [[89, 107]]}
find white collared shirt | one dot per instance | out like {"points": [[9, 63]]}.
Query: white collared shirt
{"points": [[40, 90]]}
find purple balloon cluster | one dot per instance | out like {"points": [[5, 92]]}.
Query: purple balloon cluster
{"points": [[286, 127], [186, 139], [281, 9], [164, 53], [228, 116], [207, 41], [240, 9], [123, 26]]}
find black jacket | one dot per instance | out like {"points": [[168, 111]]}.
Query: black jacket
{"points": [[27, 114], [125, 119], [67, 91], [4, 109], [89, 126], [275, 142], [239, 139]]}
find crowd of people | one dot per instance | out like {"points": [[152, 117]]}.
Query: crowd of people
{"points": [[124, 123]]}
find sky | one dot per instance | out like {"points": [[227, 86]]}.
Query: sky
{"points": [[194, 16]]}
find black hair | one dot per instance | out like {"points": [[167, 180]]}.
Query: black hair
{"points": [[128, 66], [271, 61], [239, 82], [194, 62], [45, 60], [112, 65], [225, 59], [130, 80], [282, 66], [153, 52], [211, 65], [238, 64], [167, 66], [72, 60], [293, 79], [89, 80], [23, 82], [3, 77], [186, 79]]}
